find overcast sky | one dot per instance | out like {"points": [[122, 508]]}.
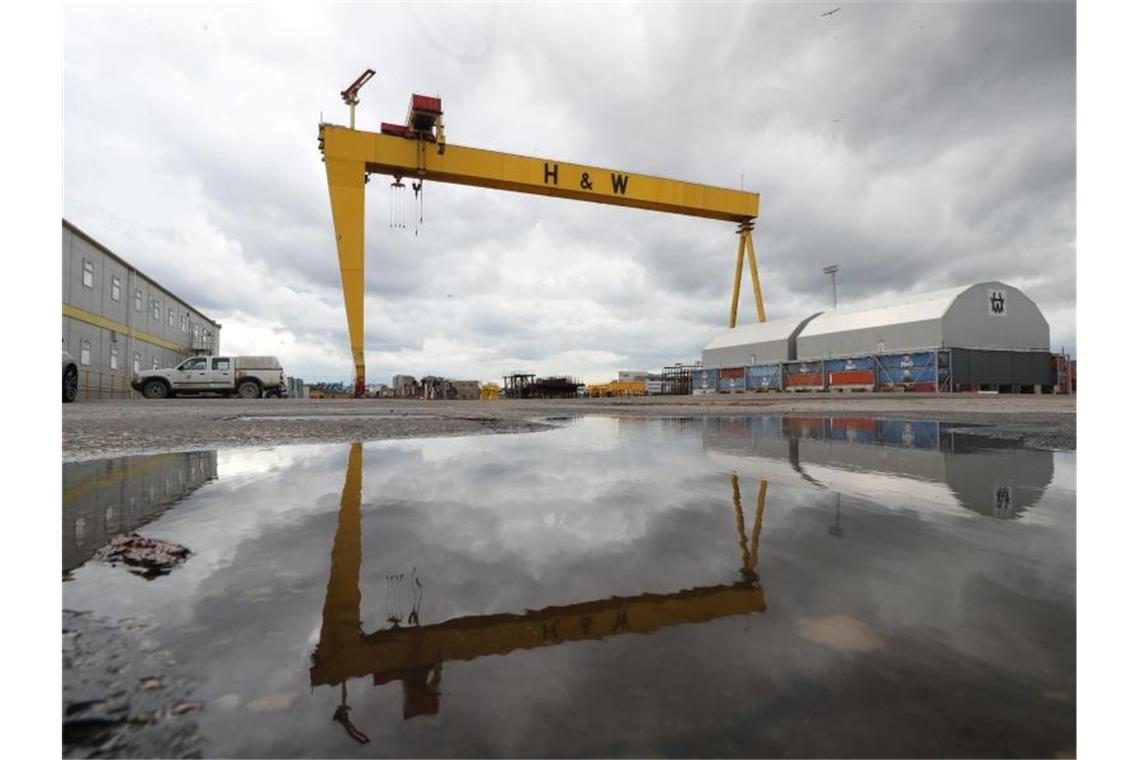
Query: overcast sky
{"points": [[917, 146]]}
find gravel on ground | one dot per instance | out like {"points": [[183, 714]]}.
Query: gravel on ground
{"points": [[98, 429], [123, 696]]}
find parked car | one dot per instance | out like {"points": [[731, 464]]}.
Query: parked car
{"points": [[70, 378], [244, 376]]}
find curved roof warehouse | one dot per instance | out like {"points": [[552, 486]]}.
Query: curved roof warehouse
{"points": [[988, 316]]}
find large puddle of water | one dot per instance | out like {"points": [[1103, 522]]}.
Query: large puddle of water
{"points": [[745, 586]]}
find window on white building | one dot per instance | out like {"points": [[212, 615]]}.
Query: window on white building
{"points": [[88, 273], [185, 322], [138, 299], [138, 361], [170, 317], [153, 362], [114, 356], [116, 290], [154, 310], [85, 352]]}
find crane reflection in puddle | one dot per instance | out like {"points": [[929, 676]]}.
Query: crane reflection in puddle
{"points": [[414, 654]]}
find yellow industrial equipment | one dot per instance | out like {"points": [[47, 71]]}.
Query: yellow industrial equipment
{"points": [[617, 388], [490, 392], [350, 155], [415, 654]]}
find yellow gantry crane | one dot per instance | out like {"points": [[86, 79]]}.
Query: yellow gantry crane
{"points": [[417, 150]]}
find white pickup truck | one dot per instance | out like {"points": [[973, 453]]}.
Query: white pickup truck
{"points": [[244, 376]]}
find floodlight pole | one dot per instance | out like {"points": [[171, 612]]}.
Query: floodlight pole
{"points": [[831, 270]]}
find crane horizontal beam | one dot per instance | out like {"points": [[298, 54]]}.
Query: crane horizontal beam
{"points": [[389, 654], [400, 156]]}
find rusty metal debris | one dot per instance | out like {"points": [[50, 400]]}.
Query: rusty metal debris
{"points": [[147, 557]]}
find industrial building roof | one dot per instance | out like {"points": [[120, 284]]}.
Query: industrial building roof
{"points": [[761, 332], [901, 310], [984, 315], [762, 343]]}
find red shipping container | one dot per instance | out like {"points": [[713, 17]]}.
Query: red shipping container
{"points": [[862, 424], [853, 377], [804, 427], [805, 378]]}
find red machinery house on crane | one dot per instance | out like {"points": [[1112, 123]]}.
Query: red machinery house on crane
{"points": [[424, 122]]}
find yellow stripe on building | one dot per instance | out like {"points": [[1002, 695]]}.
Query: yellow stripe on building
{"points": [[109, 324], [125, 471]]}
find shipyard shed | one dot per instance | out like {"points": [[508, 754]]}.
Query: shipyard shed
{"points": [[986, 335], [980, 337], [987, 316], [932, 462], [750, 345]]}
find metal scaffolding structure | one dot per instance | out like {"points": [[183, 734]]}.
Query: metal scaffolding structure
{"points": [[525, 385], [677, 379]]}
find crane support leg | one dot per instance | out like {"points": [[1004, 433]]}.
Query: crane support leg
{"points": [[736, 282], [757, 523], [340, 619], [346, 193], [745, 245], [749, 552], [747, 235]]}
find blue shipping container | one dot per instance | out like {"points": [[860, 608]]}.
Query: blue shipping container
{"points": [[905, 369], [766, 428], [850, 365], [732, 380], [917, 434], [704, 380], [764, 377]]}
